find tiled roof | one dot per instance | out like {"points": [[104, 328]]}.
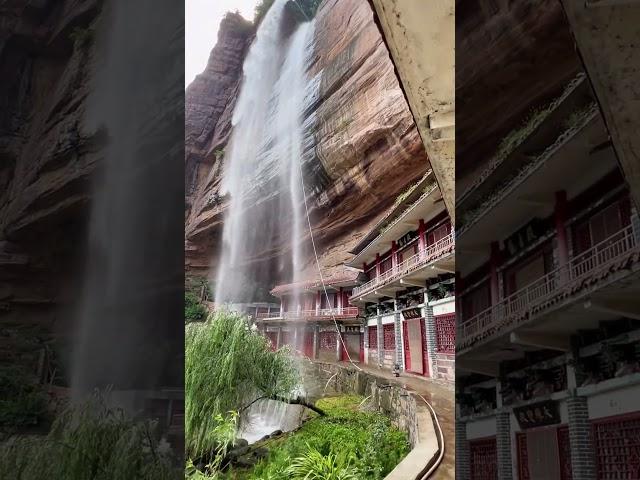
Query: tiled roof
{"points": [[343, 277]]}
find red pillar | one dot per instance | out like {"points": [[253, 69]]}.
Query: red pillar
{"points": [[394, 254], [560, 216], [494, 263], [377, 264], [422, 240]]}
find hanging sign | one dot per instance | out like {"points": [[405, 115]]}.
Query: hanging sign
{"points": [[406, 238], [538, 414], [525, 236], [412, 313]]}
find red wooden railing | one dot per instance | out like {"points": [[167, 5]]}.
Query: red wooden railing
{"points": [[424, 257], [345, 312], [517, 307]]}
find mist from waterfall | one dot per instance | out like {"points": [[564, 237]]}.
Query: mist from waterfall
{"points": [[129, 316], [263, 166]]}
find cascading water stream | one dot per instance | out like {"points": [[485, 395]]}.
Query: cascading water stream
{"points": [[262, 167], [262, 179]]}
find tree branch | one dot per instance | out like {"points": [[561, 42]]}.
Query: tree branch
{"points": [[291, 401]]}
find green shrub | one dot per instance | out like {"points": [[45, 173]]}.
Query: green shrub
{"points": [[227, 365], [89, 441], [22, 400], [194, 311], [347, 439]]}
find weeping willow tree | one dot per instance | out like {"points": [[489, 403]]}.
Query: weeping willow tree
{"points": [[90, 441], [228, 365]]}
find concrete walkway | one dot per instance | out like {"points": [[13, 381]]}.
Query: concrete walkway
{"points": [[441, 397]]}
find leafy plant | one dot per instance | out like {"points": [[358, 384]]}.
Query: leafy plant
{"points": [[194, 311], [227, 365], [366, 441], [22, 400], [92, 441], [313, 465], [261, 10]]}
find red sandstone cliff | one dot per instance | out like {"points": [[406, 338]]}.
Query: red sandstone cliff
{"points": [[367, 149]]}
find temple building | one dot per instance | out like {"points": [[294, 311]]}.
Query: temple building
{"points": [[548, 261], [407, 298], [306, 320]]}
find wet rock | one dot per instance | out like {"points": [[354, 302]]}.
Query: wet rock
{"points": [[241, 442], [246, 461], [237, 452], [261, 452], [266, 437], [275, 433]]}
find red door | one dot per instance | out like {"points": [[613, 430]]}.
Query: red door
{"points": [[564, 454], [407, 351], [421, 351], [307, 346]]}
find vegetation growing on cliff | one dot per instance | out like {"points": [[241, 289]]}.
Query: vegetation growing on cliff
{"points": [[347, 443], [194, 311]]}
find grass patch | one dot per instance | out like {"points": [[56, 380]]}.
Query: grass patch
{"points": [[347, 443]]}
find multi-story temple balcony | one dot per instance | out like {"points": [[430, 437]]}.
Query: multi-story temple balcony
{"points": [[581, 289], [412, 243], [430, 261]]}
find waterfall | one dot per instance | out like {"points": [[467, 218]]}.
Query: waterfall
{"points": [[263, 167], [131, 302]]}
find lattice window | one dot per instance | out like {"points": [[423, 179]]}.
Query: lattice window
{"points": [[446, 333], [328, 340], [484, 459], [564, 453], [617, 446], [373, 337], [389, 333], [523, 456]]}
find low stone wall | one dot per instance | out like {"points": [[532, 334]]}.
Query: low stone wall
{"points": [[406, 411], [445, 364]]}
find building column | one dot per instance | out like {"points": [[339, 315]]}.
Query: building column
{"points": [[635, 223], [560, 218], [503, 444], [380, 336], [494, 262], [583, 462], [463, 456], [430, 334], [339, 340], [318, 301], [316, 341], [394, 254], [279, 338], [399, 336], [377, 265], [422, 240]]}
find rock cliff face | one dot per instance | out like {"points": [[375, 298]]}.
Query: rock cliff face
{"points": [[499, 58], [366, 149], [47, 157]]}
